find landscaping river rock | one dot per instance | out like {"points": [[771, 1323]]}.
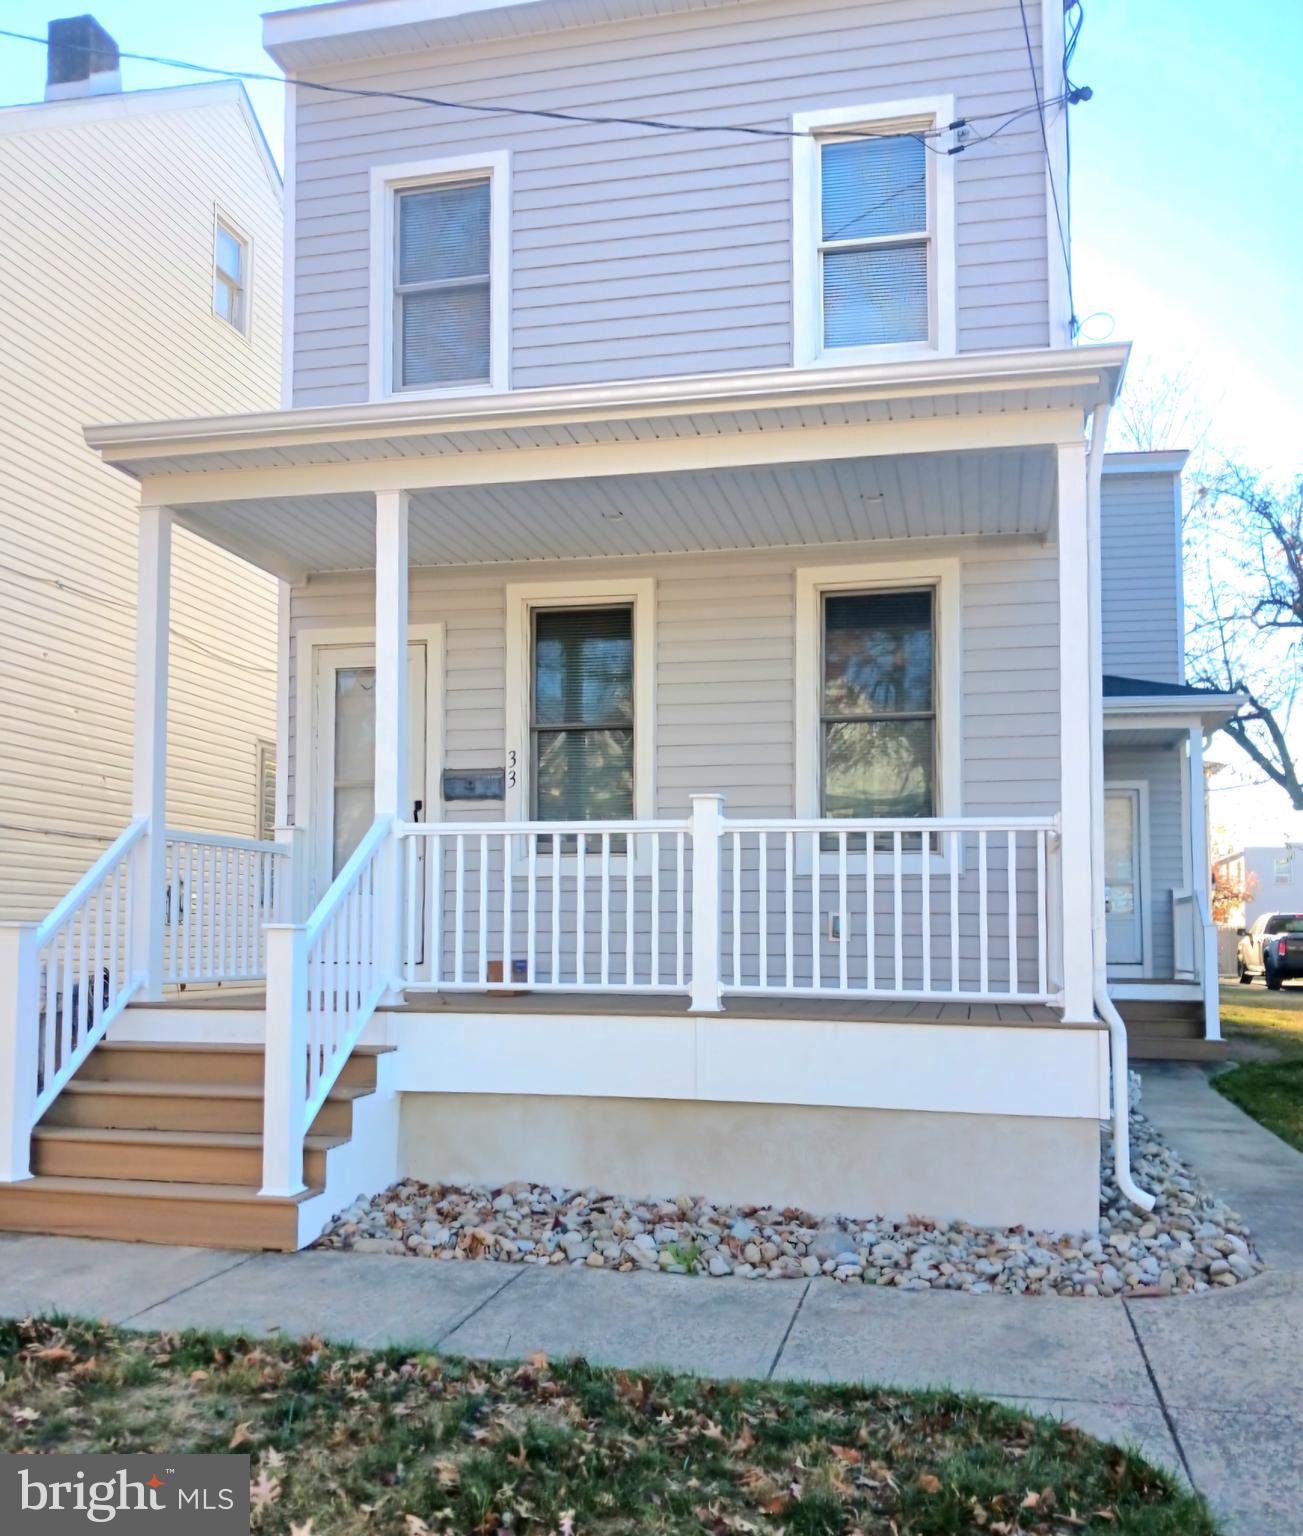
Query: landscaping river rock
{"points": [[1190, 1242]]}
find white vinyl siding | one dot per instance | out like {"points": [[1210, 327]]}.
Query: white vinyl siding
{"points": [[1140, 528], [638, 253], [725, 667], [109, 233]]}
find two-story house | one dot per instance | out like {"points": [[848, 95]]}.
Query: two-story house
{"points": [[692, 774]]}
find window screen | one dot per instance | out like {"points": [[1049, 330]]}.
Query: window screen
{"points": [[442, 292], [879, 704], [581, 721], [873, 241]]}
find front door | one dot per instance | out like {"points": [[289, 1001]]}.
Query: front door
{"points": [[1123, 891], [344, 741]]}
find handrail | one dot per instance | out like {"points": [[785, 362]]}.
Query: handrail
{"points": [[343, 881], [223, 840], [903, 824], [69, 904]]}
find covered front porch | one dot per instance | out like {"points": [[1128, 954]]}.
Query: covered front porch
{"points": [[415, 857]]}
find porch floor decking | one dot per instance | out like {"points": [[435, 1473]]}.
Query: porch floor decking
{"points": [[625, 1004]]}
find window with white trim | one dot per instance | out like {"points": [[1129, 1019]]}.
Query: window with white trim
{"points": [[878, 717], [442, 285], [873, 245], [582, 714], [231, 276]]}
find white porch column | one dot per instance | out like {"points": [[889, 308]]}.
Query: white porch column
{"points": [[1201, 884], [149, 764], [19, 1040], [707, 818], [1075, 748], [392, 724]]}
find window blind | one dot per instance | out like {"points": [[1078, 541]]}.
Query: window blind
{"points": [[442, 284]]}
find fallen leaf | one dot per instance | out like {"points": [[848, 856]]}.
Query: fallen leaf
{"points": [[55, 1355], [301, 1530], [416, 1526], [448, 1474], [538, 1361], [198, 1375], [273, 1458], [928, 1483], [264, 1490], [241, 1435]]}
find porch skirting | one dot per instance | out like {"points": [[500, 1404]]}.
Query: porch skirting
{"points": [[996, 1170]]}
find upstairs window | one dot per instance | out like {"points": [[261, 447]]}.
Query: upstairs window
{"points": [[873, 241], [873, 237], [440, 277], [231, 277], [442, 288]]}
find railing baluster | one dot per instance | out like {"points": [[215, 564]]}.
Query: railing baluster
{"points": [[507, 893], [531, 908], [762, 850], [82, 1022], [1011, 878], [681, 917], [843, 923], [459, 915], [898, 935], [737, 909], [555, 977], [925, 878], [816, 889], [789, 910], [1041, 934], [115, 959], [654, 966], [605, 838], [434, 879], [870, 912], [408, 846], [628, 909], [581, 920], [172, 943], [983, 937], [484, 909], [954, 910]]}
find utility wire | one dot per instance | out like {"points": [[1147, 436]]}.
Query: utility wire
{"points": [[498, 109], [1049, 163]]}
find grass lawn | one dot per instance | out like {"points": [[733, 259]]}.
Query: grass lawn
{"points": [[353, 1441], [1270, 1091]]}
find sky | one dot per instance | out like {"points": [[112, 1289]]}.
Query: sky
{"points": [[1186, 195]]}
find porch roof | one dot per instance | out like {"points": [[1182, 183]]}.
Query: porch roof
{"points": [[1138, 703], [959, 445]]}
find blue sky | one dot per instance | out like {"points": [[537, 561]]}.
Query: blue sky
{"points": [[1187, 197]]}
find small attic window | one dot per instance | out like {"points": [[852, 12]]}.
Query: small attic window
{"points": [[231, 276]]}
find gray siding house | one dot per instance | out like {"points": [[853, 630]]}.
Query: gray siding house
{"points": [[710, 699]]}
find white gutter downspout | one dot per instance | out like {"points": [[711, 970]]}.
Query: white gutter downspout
{"points": [[1117, 1030]]}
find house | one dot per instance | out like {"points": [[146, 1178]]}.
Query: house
{"points": [[697, 555], [1260, 880], [130, 220]]}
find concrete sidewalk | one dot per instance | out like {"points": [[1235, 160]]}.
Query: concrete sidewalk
{"points": [[1207, 1385]]}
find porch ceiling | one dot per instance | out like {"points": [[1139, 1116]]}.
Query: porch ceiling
{"points": [[999, 492]]}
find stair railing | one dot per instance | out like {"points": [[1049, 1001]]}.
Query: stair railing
{"points": [[324, 980], [63, 981]]}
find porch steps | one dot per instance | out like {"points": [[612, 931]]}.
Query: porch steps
{"points": [[163, 1143], [1161, 1029]]}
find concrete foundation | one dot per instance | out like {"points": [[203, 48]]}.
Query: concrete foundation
{"points": [[996, 1170]]}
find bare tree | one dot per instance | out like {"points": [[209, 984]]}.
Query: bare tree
{"points": [[1159, 409], [1246, 634]]}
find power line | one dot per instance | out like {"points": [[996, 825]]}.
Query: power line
{"points": [[498, 109], [1049, 162]]}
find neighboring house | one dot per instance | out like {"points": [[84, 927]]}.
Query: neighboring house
{"points": [[125, 218], [693, 731], [1269, 880]]}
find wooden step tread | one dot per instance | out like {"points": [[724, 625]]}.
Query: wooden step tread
{"points": [[215, 1047], [149, 1189], [129, 1137], [149, 1089]]}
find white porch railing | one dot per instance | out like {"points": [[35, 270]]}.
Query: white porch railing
{"points": [[220, 893], [62, 983], [324, 979]]}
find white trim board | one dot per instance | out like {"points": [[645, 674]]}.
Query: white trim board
{"points": [[807, 308], [386, 180]]}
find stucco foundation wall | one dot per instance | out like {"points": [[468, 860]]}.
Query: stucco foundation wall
{"points": [[999, 1170]]}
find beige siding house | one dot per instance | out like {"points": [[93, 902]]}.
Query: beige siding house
{"points": [[693, 719], [112, 206]]}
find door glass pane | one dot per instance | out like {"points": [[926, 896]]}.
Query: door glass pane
{"points": [[355, 747], [1119, 855], [878, 768], [877, 653]]}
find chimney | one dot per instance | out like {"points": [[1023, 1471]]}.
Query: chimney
{"points": [[82, 60]]}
